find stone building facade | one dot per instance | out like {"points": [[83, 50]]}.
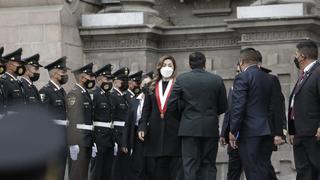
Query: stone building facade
{"points": [[135, 33]]}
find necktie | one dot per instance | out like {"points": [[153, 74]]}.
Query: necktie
{"points": [[300, 80]]}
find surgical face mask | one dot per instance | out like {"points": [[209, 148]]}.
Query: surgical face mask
{"points": [[106, 86], [124, 86], [35, 77], [166, 72], [2, 69], [64, 79], [89, 84], [20, 70], [296, 62], [136, 90]]}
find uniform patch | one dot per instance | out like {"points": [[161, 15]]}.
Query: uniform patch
{"points": [[71, 101]]}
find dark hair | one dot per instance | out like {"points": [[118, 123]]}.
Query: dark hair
{"points": [[309, 49], [197, 60], [249, 55], [259, 56], [158, 75]]}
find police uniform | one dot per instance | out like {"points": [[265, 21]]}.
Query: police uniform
{"points": [[131, 140], [130, 94], [31, 93], [3, 97], [103, 134], [54, 101], [80, 129], [121, 166], [12, 86]]}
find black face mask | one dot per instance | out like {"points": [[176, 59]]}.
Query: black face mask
{"points": [[136, 90], [106, 86], [35, 77], [89, 84], [296, 62], [2, 69], [64, 79], [20, 70], [124, 86], [145, 89]]}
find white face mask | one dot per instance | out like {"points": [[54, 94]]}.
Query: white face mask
{"points": [[166, 72]]}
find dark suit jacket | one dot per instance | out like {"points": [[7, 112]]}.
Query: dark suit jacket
{"points": [[129, 132], [79, 111], [225, 129], [278, 116], [201, 97], [161, 137], [251, 103], [306, 105]]}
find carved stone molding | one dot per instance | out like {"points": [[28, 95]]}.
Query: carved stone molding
{"points": [[198, 43], [119, 44], [273, 36], [159, 44]]}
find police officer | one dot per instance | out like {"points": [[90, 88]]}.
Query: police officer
{"points": [[12, 86], [80, 116], [31, 75], [134, 81], [3, 97], [101, 164], [53, 99], [131, 142], [121, 166]]}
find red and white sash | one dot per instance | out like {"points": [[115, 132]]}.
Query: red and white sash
{"points": [[162, 98]]}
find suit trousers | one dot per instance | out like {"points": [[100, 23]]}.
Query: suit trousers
{"points": [[255, 156], [101, 165], [79, 168], [234, 164], [199, 158], [164, 168], [306, 151], [138, 161]]}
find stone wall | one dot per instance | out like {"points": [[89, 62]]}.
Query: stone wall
{"points": [[53, 28], [49, 28]]}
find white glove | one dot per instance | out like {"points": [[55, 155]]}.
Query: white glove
{"points": [[115, 149], [94, 150], [74, 151]]}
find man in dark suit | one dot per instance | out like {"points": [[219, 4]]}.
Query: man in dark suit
{"points": [[12, 86], [103, 130], [32, 74], [250, 116], [53, 98], [131, 142], [80, 116], [200, 97], [304, 112]]}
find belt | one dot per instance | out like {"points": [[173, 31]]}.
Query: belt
{"points": [[102, 124], [61, 122], [119, 123], [85, 127]]}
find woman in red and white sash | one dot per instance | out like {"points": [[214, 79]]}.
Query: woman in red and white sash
{"points": [[158, 129]]}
